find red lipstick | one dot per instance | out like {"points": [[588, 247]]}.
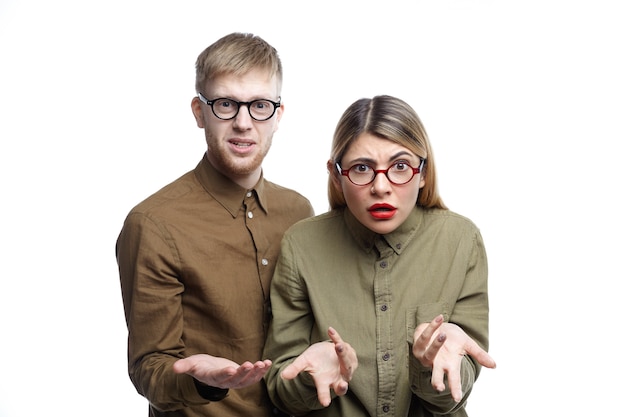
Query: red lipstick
{"points": [[382, 211]]}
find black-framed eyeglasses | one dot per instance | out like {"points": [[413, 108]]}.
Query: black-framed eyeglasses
{"points": [[398, 173], [227, 108]]}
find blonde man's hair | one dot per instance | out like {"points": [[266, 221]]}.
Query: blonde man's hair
{"points": [[237, 53]]}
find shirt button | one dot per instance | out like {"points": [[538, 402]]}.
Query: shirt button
{"points": [[386, 357], [249, 194], [383, 264], [264, 262], [383, 307], [250, 215], [385, 408]]}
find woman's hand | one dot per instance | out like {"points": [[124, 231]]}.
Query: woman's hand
{"points": [[330, 364], [442, 346]]}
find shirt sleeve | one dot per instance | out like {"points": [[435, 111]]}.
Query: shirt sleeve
{"points": [[466, 304], [151, 291], [440, 403], [289, 336]]}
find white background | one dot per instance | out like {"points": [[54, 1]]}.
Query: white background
{"points": [[524, 102]]}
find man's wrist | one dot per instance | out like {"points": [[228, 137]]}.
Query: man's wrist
{"points": [[210, 393]]}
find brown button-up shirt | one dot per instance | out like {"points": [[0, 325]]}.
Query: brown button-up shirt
{"points": [[196, 260]]}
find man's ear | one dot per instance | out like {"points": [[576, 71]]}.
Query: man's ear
{"points": [[279, 112], [278, 116], [196, 109]]}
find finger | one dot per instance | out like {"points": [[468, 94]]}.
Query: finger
{"points": [[246, 366], [341, 388], [435, 347], [334, 335], [428, 332], [480, 355], [323, 394], [347, 365], [348, 361], [247, 377], [454, 380], [429, 355], [436, 379]]}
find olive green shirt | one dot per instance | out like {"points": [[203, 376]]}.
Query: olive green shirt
{"points": [[195, 263], [374, 290]]}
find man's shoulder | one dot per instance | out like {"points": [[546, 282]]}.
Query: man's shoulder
{"points": [[275, 188], [278, 194], [171, 193]]}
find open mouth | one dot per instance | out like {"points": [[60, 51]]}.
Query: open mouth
{"points": [[241, 143], [382, 211]]}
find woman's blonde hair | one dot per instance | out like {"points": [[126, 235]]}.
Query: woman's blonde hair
{"points": [[389, 118]]}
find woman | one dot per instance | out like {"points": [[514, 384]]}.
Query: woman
{"points": [[398, 275]]}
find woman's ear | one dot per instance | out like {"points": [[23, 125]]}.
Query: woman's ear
{"points": [[423, 173], [331, 166], [422, 179]]}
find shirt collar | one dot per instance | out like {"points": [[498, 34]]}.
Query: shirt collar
{"points": [[397, 240], [229, 194]]}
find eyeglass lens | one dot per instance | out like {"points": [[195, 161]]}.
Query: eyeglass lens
{"points": [[225, 108], [399, 173]]}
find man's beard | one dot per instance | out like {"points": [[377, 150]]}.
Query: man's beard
{"points": [[235, 166]]}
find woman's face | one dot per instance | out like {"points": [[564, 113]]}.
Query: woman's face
{"points": [[381, 206]]}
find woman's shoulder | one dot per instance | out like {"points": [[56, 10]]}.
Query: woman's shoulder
{"points": [[449, 218], [321, 223]]}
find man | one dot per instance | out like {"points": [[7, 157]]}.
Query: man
{"points": [[196, 258]]}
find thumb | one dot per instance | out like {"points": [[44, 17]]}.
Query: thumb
{"points": [[481, 356], [181, 366], [292, 370]]}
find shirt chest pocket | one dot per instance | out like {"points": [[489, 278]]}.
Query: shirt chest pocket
{"points": [[424, 313]]}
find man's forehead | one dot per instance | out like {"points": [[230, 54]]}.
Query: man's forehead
{"points": [[256, 83]]}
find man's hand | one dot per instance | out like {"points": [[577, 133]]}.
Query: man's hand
{"points": [[220, 372]]}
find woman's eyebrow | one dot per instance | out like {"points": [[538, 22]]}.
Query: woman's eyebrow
{"points": [[370, 161], [399, 154], [362, 160]]}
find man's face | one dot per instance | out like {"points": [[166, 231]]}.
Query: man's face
{"points": [[237, 147]]}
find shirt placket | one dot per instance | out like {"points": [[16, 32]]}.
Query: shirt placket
{"points": [[253, 220], [386, 360]]}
